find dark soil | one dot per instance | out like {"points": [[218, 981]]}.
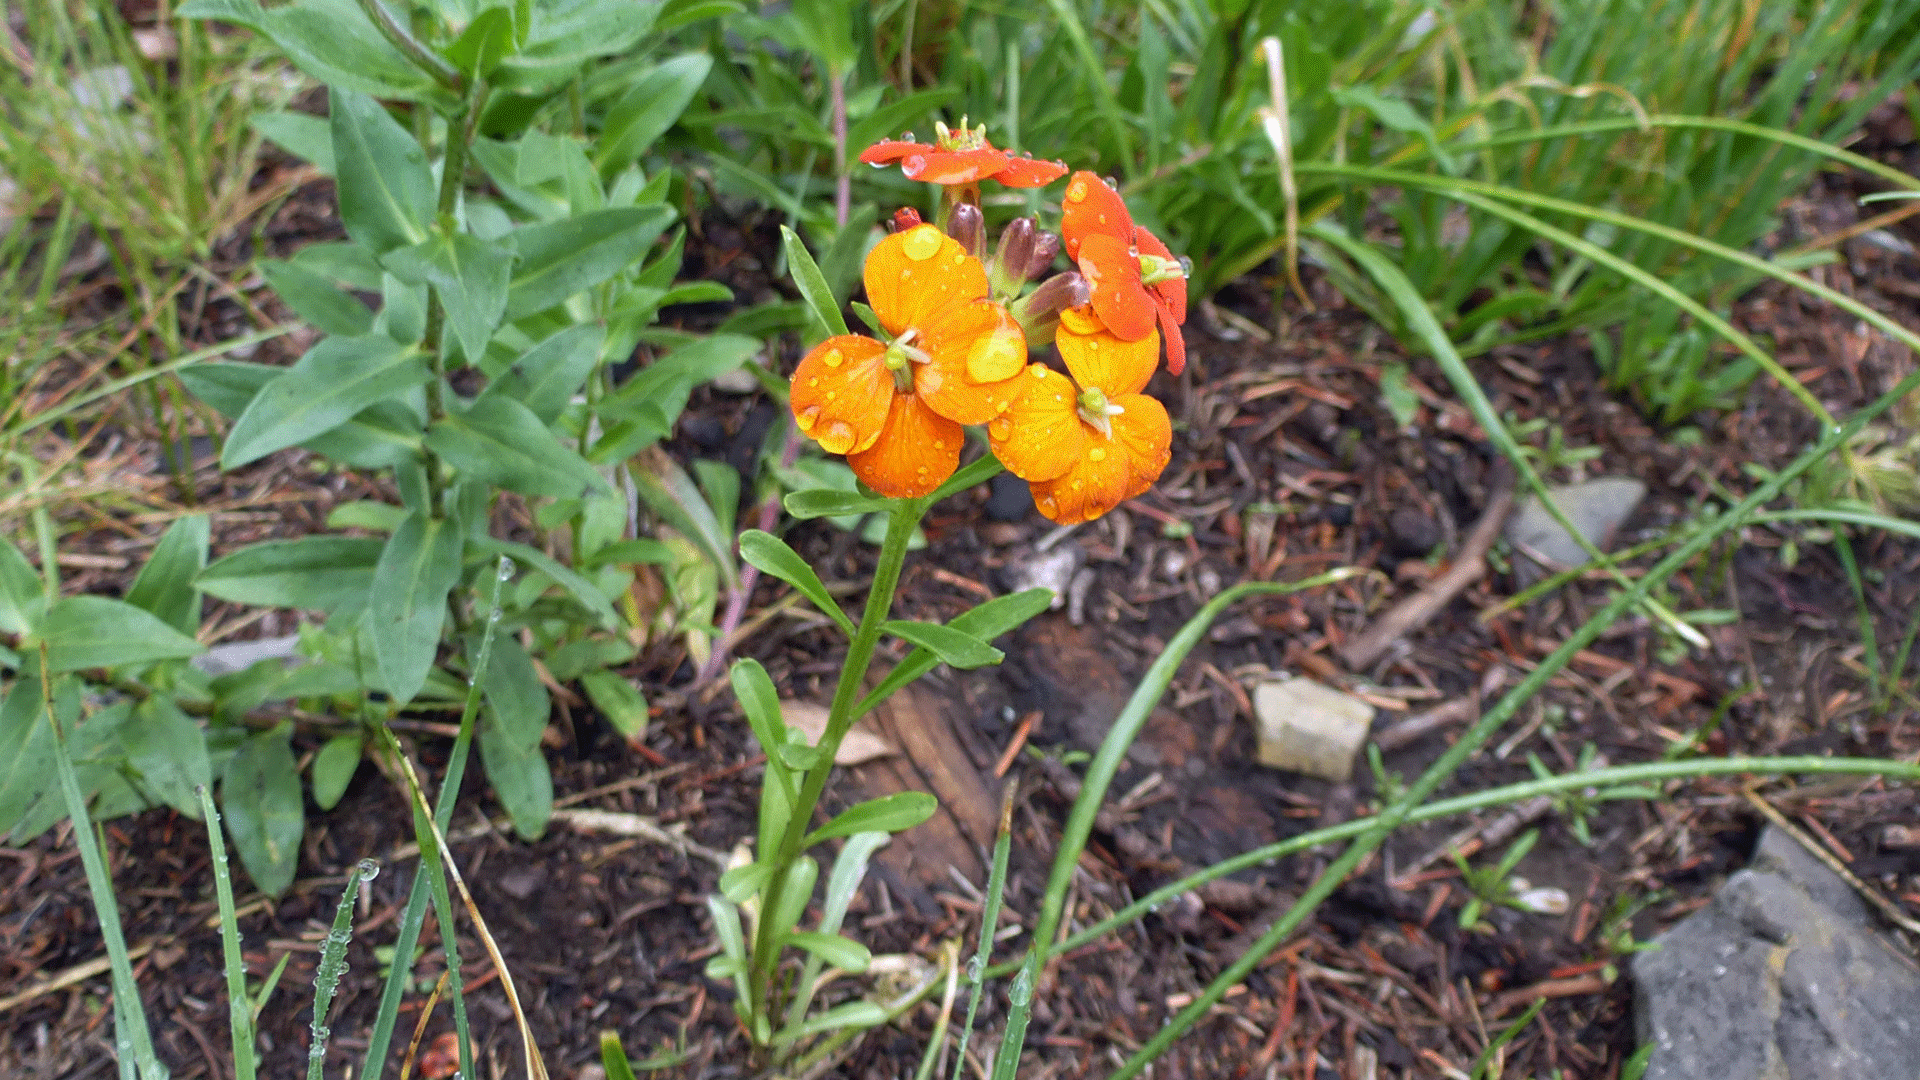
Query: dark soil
{"points": [[1286, 463]]}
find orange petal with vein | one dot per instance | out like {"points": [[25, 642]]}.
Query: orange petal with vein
{"points": [[977, 349], [1100, 359], [891, 150], [841, 393], [1091, 208], [1041, 435], [1176, 342], [1110, 470], [1026, 172], [1170, 294], [915, 454], [1111, 267], [957, 166], [1146, 432], [913, 275]]}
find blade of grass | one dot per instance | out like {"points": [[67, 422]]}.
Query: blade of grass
{"points": [[239, 1012], [333, 964], [1876, 677], [989, 921]]}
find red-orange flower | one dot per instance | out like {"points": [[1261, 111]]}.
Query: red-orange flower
{"points": [[962, 157], [1136, 280], [1088, 442], [952, 357]]}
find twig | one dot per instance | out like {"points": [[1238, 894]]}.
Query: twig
{"points": [[1470, 566], [1832, 862]]}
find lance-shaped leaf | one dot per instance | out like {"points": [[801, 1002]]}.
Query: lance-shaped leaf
{"points": [[408, 603], [380, 436], [672, 494], [319, 301], [955, 647], [312, 573], [322, 390], [843, 953], [333, 767], [328, 39], [260, 802], [165, 586], [23, 595], [500, 441], [169, 752], [385, 189], [825, 502], [648, 108], [546, 377], [471, 276], [888, 814], [772, 555], [563, 257], [984, 623], [96, 632], [26, 751], [520, 779], [813, 287]]}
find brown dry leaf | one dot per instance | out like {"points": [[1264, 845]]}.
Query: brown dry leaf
{"points": [[859, 745]]}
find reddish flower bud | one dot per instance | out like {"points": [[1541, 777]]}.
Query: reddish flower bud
{"points": [[905, 218], [967, 225], [1046, 245]]}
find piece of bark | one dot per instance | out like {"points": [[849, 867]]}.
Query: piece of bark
{"points": [[932, 757]]}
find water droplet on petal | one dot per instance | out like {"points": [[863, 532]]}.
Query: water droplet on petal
{"points": [[833, 358], [1097, 454], [1077, 191], [836, 437], [1000, 428], [807, 418], [921, 243]]}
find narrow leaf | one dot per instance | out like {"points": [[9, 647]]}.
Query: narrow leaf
{"points": [[500, 441], [471, 276], [165, 586], [408, 602], [313, 573], [260, 802], [845, 954], [560, 259], [955, 647], [322, 390], [384, 187], [813, 286], [889, 814], [96, 632], [772, 555]]}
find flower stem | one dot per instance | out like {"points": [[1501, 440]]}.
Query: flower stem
{"points": [[901, 521]]}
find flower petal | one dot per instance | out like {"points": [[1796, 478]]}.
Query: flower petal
{"points": [[949, 167], [1091, 208], [1100, 359], [1025, 172], [888, 151], [1176, 341], [1041, 435], [1111, 267], [977, 350], [913, 275], [1110, 470], [1147, 434], [915, 453], [841, 393], [1170, 294]]}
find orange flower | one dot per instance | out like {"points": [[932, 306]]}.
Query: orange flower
{"points": [[962, 157], [1136, 280], [1088, 442], [952, 357]]}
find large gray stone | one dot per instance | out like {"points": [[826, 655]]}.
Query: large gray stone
{"points": [[1596, 507], [1784, 975]]}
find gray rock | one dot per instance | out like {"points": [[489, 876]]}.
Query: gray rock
{"points": [[241, 655], [1305, 727], [1783, 976], [1596, 508], [1050, 569]]}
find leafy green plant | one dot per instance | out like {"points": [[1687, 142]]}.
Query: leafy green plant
{"points": [[482, 378], [1488, 886]]}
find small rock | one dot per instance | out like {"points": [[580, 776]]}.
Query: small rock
{"points": [[1413, 531], [522, 883], [1009, 498], [737, 381], [1309, 728], [1596, 508], [1049, 569], [241, 655], [1784, 975]]}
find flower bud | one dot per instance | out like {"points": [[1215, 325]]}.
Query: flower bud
{"points": [[1015, 251], [905, 218], [968, 226], [1038, 312], [1046, 245]]}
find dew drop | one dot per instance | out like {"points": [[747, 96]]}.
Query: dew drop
{"points": [[1077, 191], [975, 969], [921, 243], [813, 382], [1000, 428], [807, 418], [1096, 455], [939, 444], [837, 438], [833, 358]]}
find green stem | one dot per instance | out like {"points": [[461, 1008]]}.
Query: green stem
{"points": [[901, 521], [460, 130], [423, 58]]}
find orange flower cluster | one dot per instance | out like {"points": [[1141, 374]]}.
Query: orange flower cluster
{"points": [[955, 333]]}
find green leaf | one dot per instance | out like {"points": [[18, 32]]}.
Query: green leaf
{"points": [[761, 702], [822, 502], [743, 882], [515, 695], [95, 632], [980, 471], [565, 34], [380, 436], [580, 588], [794, 897], [342, 261], [852, 1015], [955, 647], [500, 441], [26, 752], [168, 751], [325, 388], [985, 622], [1395, 115], [165, 586], [657, 394], [303, 135], [888, 814], [671, 494], [547, 376], [331, 309], [471, 276], [260, 801], [843, 953], [312, 573], [484, 43], [619, 701], [520, 779], [564, 257], [385, 190], [23, 595], [408, 602], [772, 555], [333, 768], [328, 39], [648, 108], [813, 286]]}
